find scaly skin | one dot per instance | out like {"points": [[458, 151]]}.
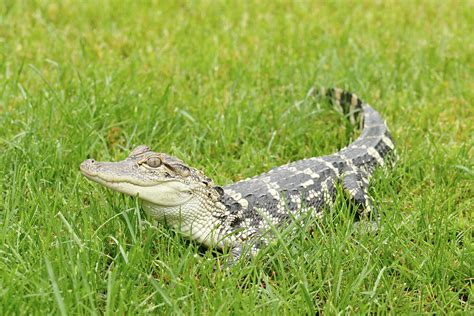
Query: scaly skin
{"points": [[239, 214]]}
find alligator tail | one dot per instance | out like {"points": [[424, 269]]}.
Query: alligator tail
{"points": [[374, 147], [375, 144]]}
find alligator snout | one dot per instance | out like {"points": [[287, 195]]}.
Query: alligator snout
{"points": [[89, 167]]}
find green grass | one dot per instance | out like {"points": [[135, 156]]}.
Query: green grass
{"points": [[222, 86]]}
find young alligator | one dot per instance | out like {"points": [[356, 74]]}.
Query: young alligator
{"points": [[240, 214]]}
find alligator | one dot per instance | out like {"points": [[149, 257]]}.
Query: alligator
{"points": [[239, 216]]}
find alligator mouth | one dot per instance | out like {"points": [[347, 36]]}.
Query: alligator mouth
{"points": [[91, 172]]}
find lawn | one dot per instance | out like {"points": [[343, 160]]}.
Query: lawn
{"points": [[222, 86]]}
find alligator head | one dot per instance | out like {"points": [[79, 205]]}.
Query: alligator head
{"points": [[171, 191], [154, 177]]}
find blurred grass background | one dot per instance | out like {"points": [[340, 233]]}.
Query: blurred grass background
{"points": [[222, 85]]}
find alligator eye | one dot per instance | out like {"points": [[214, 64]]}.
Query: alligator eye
{"points": [[153, 162]]}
